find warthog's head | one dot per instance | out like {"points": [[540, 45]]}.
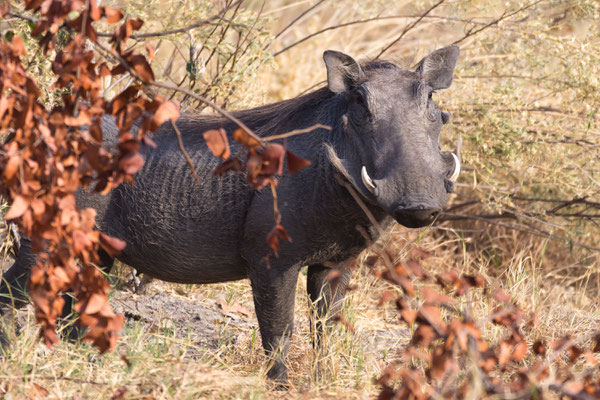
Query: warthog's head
{"points": [[390, 150]]}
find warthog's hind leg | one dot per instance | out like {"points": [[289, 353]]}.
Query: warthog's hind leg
{"points": [[13, 283], [326, 291]]}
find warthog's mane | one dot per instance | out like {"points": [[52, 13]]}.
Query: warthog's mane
{"points": [[319, 106]]}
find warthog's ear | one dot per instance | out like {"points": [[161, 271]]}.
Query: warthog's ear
{"points": [[437, 68], [343, 72]]}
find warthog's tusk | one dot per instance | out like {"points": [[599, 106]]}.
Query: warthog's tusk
{"points": [[454, 176], [367, 180]]}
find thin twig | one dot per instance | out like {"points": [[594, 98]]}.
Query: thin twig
{"points": [[302, 14], [51, 378], [472, 32], [296, 132], [180, 30], [187, 92], [519, 228], [360, 203], [185, 153], [367, 20], [408, 28], [212, 105]]}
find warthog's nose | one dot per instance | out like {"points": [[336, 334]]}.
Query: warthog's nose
{"points": [[415, 217]]}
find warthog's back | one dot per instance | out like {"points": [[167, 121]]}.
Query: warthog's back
{"points": [[176, 229]]}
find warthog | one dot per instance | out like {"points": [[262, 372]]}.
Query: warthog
{"points": [[384, 142]]}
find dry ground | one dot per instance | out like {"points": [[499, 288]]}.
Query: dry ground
{"points": [[184, 341]]}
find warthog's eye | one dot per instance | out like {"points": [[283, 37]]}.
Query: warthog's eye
{"points": [[430, 95], [359, 110], [359, 98]]}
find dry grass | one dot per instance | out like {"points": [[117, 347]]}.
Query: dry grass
{"points": [[506, 152]]}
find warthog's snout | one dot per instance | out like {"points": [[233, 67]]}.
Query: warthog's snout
{"points": [[416, 217]]}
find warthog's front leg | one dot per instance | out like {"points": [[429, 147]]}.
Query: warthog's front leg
{"points": [[274, 292]]}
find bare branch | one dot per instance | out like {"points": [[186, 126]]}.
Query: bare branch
{"points": [[296, 132], [472, 32], [184, 152], [295, 20], [409, 27]]}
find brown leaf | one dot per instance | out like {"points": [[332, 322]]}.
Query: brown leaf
{"points": [[12, 165], [168, 110], [409, 316], [371, 260], [232, 164], [574, 352], [519, 351], [441, 361], [589, 358], [94, 303], [112, 15], [37, 391], [447, 278], [386, 297], [434, 298], [17, 208], [339, 318], [235, 308], [278, 232], [131, 163], [253, 165], [430, 314], [18, 45], [216, 140], [500, 295], [128, 27], [118, 70], [150, 51], [95, 12], [424, 335], [126, 360], [504, 352], [558, 344], [240, 136], [112, 245], [272, 156], [539, 348], [419, 253], [415, 268], [119, 394], [122, 99], [141, 66], [295, 163]]}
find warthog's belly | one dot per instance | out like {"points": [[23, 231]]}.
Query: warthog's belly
{"points": [[177, 229]]}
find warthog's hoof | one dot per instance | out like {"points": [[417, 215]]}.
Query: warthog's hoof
{"points": [[278, 377]]}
